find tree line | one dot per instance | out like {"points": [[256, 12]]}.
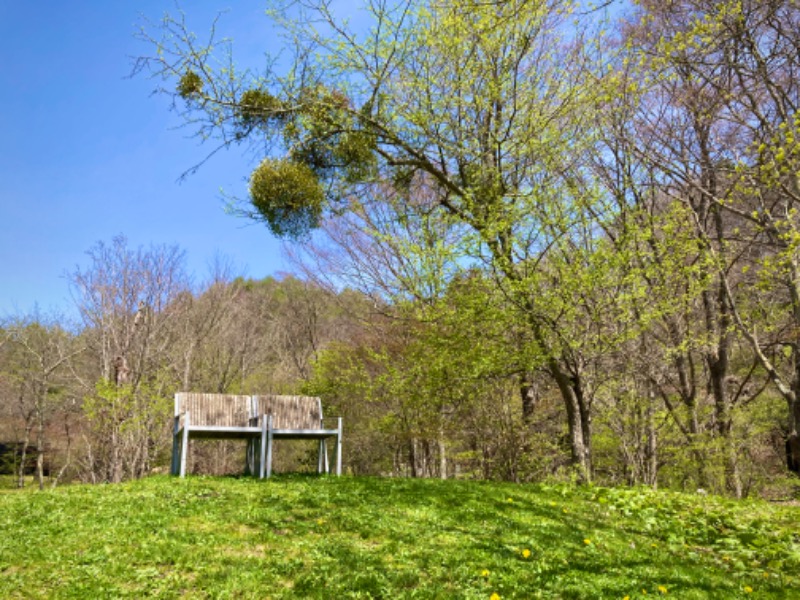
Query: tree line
{"points": [[572, 230], [446, 387]]}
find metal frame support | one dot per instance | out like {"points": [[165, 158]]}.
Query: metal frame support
{"points": [[339, 450], [185, 443], [269, 445]]}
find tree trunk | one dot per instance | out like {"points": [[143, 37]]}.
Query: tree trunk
{"points": [[24, 457], [40, 452], [578, 421], [793, 437], [412, 456], [529, 396], [793, 398], [442, 454], [722, 411], [651, 450]]}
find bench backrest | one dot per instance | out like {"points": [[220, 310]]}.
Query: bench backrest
{"points": [[291, 412], [216, 410]]}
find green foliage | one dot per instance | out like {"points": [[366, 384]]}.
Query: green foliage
{"points": [[259, 107], [190, 85], [317, 537], [326, 135], [288, 195], [355, 151], [703, 524], [121, 421]]}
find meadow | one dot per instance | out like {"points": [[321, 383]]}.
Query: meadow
{"points": [[310, 537]]}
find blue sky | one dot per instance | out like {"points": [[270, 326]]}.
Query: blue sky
{"points": [[87, 153]]}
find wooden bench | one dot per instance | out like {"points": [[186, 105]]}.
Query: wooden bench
{"points": [[210, 416], [297, 417], [258, 419]]}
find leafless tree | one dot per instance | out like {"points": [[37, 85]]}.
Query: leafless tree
{"points": [[127, 299]]}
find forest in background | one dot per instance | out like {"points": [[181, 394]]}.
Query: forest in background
{"points": [[420, 396], [534, 239]]}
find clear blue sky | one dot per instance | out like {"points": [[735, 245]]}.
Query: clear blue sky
{"points": [[86, 153]]}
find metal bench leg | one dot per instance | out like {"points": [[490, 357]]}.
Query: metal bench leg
{"points": [[173, 468], [339, 450], [269, 446], [185, 444], [250, 457], [262, 447], [326, 465]]}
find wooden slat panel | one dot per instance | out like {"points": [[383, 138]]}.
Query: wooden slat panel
{"points": [[291, 412], [216, 410]]}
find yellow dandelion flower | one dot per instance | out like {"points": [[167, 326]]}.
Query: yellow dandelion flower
{"points": [[485, 573], [627, 598], [587, 541], [748, 589], [526, 553], [662, 589], [644, 592], [494, 596], [510, 500]]}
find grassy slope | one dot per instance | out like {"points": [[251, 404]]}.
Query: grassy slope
{"points": [[295, 537]]}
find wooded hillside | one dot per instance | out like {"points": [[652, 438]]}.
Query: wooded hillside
{"points": [[534, 238]]}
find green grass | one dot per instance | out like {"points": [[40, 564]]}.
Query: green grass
{"points": [[298, 537]]}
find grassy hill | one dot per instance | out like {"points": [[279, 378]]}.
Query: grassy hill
{"points": [[297, 537]]}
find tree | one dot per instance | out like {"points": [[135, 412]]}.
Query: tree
{"points": [[719, 127], [127, 299], [488, 105]]}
